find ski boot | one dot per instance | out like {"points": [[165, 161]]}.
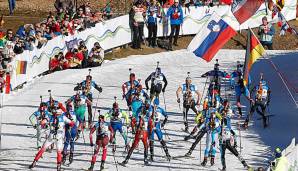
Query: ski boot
{"points": [[102, 165], [188, 137], [114, 148], [245, 164], [70, 157], [33, 164], [146, 157], [164, 146], [245, 124], [188, 154], [204, 161], [186, 127], [212, 161], [239, 112], [78, 135], [91, 167], [151, 146], [59, 167], [124, 162], [64, 158], [127, 148], [265, 123]]}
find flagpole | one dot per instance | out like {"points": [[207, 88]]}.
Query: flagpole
{"points": [[266, 56], [247, 55]]}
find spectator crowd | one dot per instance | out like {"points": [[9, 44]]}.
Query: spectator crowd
{"points": [[70, 19], [67, 20]]}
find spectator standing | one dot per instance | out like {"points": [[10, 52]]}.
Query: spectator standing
{"points": [[266, 32], [107, 11], [138, 25], [153, 13], [175, 13], [282, 162]]}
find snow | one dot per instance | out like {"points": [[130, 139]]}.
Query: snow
{"points": [[19, 149]]}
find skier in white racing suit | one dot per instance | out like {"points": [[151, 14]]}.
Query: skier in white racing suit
{"points": [[57, 123], [39, 120]]}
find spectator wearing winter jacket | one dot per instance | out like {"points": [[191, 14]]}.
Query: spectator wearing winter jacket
{"points": [[96, 55], [54, 64], [175, 13], [282, 162], [19, 46], [82, 48], [266, 32], [138, 14], [153, 13]]}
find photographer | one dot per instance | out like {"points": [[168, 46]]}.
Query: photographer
{"points": [[19, 45], [96, 55], [266, 32], [82, 48]]}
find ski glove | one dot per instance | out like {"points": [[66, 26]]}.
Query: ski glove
{"points": [[164, 122], [163, 90], [235, 144], [99, 89], [91, 144], [178, 100]]}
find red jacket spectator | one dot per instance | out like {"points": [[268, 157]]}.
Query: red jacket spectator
{"points": [[69, 55], [80, 56], [54, 63]]}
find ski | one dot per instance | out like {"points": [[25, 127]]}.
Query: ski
{"points": [[186, 131], [267, 116]]}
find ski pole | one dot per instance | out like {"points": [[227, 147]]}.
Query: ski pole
{"points": [[200, 150], [164, 101], [203, 91], [115, 161], [84, 139], [166, 134], [240, 136], [92, 119]]}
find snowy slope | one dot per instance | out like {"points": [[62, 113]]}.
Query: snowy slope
{"points": [[20, 149]]}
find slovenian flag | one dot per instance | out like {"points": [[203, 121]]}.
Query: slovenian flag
{"points": [[212, 36], [21, 67]]}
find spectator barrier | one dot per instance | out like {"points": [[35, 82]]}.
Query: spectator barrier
{"points": [[116, 32]]}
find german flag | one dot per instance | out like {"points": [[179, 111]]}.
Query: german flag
{"points": [[21, 67], [254, 51], [280, 4]]}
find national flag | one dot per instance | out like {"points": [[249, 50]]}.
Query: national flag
{"points": [[211, 37], [285, 26], [277, 7], [244, 9], [21, 67], [228, 2], [254, 51]]}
